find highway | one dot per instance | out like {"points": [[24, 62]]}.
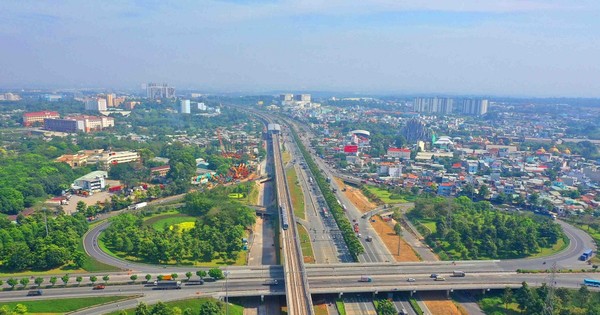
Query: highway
{"points": [[297, 294]]}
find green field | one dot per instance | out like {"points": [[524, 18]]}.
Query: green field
{"points": [[384, 195], [158, 223], [296, 193], [307, 250], [194, 304], [59, 306]]}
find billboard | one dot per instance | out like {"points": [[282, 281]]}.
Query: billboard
{"points": [[350, 149]]}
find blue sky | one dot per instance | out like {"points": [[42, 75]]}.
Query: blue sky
{"points": [[484, 47]]}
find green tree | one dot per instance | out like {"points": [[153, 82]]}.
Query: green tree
{"points": [[24, 281], [160, 308], [148, 277], [483, 192], [106, 278], [507, 297], [398, 229], [174, 276], [216, 273], [93, 279], [133, 278], [79, 258], [65, 279], [188, 275], [583, 295], [38, 281], [385, 307], [210, 307], [53, 280], [81, 207], [142, 309], [78, 279], [12, 282], [201, 273]]}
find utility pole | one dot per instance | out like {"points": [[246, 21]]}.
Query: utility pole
{"points": [[46, 219], [548, 304]]}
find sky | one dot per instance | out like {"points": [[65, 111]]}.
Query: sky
{"points": [[478, 47]]}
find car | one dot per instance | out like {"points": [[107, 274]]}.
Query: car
{"points": [[411, 280], [439, 279], [34, 293], [433, 275], [99, 287]]}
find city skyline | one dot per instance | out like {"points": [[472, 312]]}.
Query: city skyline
{"points": [[516, 48]]}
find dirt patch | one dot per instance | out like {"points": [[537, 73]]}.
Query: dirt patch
{"points": [[438, 304], [385, 230], [356, 196], [321, 309]]}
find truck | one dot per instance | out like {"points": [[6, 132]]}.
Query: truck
{"points": [[166, 277], [457, 273], [167, 285], [329, 179], [140, 205], [587, 254], [356, 229], [365, 279]]}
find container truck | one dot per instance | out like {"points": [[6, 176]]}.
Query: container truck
{"points": [[168, 285]]}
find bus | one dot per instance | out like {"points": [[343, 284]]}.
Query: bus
{"points": [[591, 282], [587, 254]]}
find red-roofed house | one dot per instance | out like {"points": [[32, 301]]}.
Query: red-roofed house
{"points": [[33, 117], [401, 153]]}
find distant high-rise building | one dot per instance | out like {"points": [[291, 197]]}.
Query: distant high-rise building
{"points": [[442, 105], [110, 100], [202, 106], [95, 104], [475, 106], [286, 97], [9, 97], [302, 98], [185, 107], [158, 91]]}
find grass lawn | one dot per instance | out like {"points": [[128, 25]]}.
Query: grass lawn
{"points": [[306, 245], [296, 193], [385, 195], [286, 156], [559, 246], [194, 304], [429, 224], [340, 306], [248, 197], [171, 220], [63, 305]]}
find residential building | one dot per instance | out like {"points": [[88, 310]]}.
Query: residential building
{"points": [[162, 170], [84, 123], [433, 105], [33, 117], [110, 100], [95, 104], [51, 97], [400, 153], [94, 181], [185, 107], [475, 106], [158, 91], [286, 97], [10, 97], [105, 159], [202, 106], [74, 160], [305, 98]]}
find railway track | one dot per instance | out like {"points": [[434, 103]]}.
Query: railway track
{"points": [[297, 294]]}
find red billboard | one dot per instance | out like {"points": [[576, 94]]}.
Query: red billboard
{"points": [[351, 149]]}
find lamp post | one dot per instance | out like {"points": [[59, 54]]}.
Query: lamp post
{"points": [[226, 293]]}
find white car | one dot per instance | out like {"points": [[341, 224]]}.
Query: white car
{"points": [[411, 280]]}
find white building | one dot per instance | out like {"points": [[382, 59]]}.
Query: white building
{"points": [[185, 107], [95, 104], [94, 181], [202, 106], [108, 158]]}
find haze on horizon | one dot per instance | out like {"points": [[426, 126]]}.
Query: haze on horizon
{"points": [[502, 47]]}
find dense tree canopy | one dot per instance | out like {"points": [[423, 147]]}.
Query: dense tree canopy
{"points": [[218, 232], [25, 246], [473, 230]]}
